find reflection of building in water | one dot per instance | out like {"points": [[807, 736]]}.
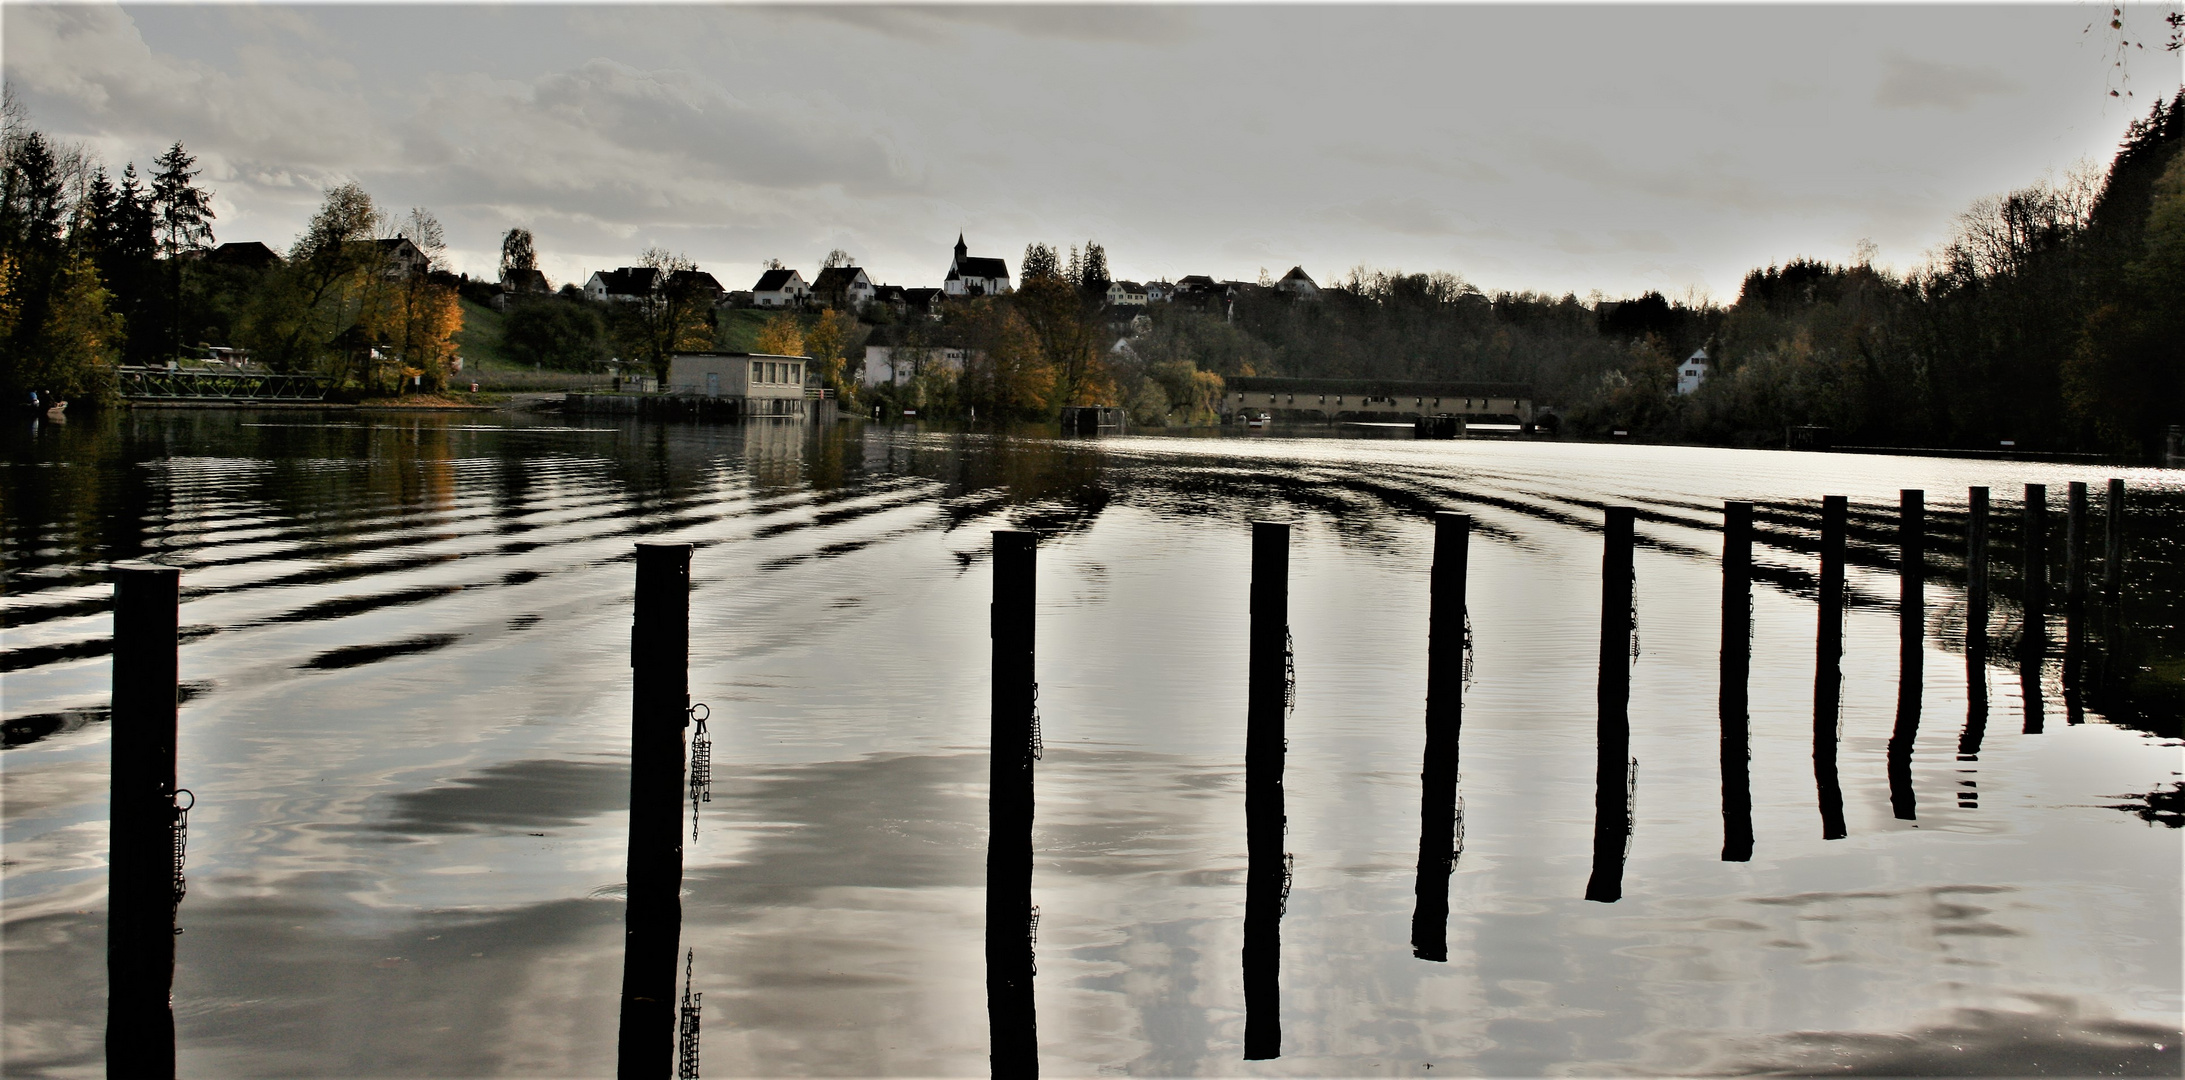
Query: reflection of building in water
{"points": [[774, 452], [1369, 399], [759, 383]]}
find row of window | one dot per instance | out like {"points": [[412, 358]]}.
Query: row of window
{"points": [[1275, 399], [775, 372]]}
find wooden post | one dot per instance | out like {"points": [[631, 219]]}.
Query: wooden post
{"points": [[1266, 706], [1612, 765], [2033, 630], [1013, 1024], [1911, 646], [1976, 575], [2113, 545], [1828, 670], [140, 913], [2033, 570], [2074, 582], [1445, 651], [660, 704], [1737, 652]]}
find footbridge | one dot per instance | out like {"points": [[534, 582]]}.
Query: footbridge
{"points": [[169, 384], [1331, 400]]}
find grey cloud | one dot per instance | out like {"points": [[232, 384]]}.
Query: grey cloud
{"points": [[1911, 83], [1412, 217], [928, 23]]}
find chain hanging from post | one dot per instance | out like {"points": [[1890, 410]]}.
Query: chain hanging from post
{"points": [[1457, 849], [1031, 934], [184, 799], [686, 1029], [1631, 805], [1289, 872], [1467, 647], [1038, 748], [701, 765], [1289, 671], [1634, 615]]}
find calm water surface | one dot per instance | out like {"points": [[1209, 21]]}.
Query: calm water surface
{"points": [[406, 725]]}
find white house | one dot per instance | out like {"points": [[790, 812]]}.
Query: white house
{"points": [[780, 288], [843, 288], [764, 385], [1126, 294], [1693, 372], [1299, 284], [625, 285], [897, 365], [969, 275]]}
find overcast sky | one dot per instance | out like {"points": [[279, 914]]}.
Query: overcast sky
{"points": [[1574, 148]]}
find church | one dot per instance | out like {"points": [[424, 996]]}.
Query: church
{"points": [[970, 276]]}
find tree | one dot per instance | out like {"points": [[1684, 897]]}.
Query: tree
{"points": [[554, 333], [1040, 264], [183, 216], [837, 257], [677, 317], [307, 315], [781, 335], [517, 252]]}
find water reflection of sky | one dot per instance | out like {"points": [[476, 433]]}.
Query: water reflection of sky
{"points": [[408, 731]]}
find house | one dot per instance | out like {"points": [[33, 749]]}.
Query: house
{"points": [[897, 365], [969, 275], [780, 288], [248, 254], [697, 283], [1196, 285], [843, 288], [1298, 284], [400, 258], [926, 302], [1126, 294], [1159, 292], [525, 282], [1692, 372], [760, 384], [623, 285]]}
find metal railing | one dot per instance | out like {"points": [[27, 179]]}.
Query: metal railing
{"points": [[162, 384]]}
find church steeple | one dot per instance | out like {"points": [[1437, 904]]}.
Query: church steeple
{"points": [[961, 250]]}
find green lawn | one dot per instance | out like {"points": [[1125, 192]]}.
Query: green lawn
{"points": [[739, 329], [479, 342]]}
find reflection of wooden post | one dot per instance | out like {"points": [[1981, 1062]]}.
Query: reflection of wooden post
{"points": [[1737, 654], [1828, 668], [1013, 1034], [1267, 700], [1444, 724], [140, 864], [1911, 642], [660, 670], [1612, 775]]}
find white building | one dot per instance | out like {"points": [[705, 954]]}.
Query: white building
{"points": [[780, 288], [970, 275], [1693, 372], [764, 385], [1126, 294]]}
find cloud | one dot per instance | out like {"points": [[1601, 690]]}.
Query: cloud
{"points": [[1910, 83], [1140, 24], [1411, 217]]}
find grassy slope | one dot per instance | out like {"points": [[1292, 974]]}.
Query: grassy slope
{"points": [[740, 329], [479, 342]]}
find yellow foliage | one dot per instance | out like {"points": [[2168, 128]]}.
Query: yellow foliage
{"points": [[783, 335]]}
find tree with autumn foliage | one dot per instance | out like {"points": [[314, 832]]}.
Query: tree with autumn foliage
{"points": [[1063, 317], [1006, 375]]}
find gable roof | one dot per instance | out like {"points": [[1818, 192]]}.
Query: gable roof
{"points": [[774, 280], [837, 277], [695, 279], [982, 267], [1297, 273], [628, 280], [249, 253]]}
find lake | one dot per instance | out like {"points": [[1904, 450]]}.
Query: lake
{"points": [[407, 723]]}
